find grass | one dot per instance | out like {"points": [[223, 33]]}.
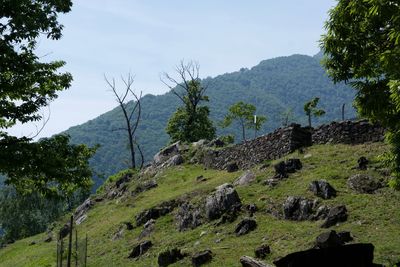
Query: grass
{"points": [[372, 218]]}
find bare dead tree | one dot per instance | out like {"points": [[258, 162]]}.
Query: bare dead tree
{"points": [[132, 114], [189, 74]]}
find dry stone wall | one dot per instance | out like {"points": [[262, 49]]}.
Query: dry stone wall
{"points": [[286, 140], [348, 132]]}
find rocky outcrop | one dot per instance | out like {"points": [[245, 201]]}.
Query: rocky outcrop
{"points": [[80, 212], [354, 255], [140, 249], [322, 189], [166, 153], [363, 183], [156, 212], [222, 200], [283, 168], [145, 186], [328, 239], [188, 217]]}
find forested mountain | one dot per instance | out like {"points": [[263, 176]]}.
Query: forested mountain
{"points": [[273, 86]]}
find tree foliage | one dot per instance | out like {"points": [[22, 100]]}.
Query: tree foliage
{"points": [[51, 166], [310, 108], [362, 47], [191, 121], [244, 114]]}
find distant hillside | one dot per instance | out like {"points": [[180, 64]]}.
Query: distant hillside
{"points": [[272, 86]]}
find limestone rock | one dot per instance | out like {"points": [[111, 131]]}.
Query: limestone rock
{"points": [[222, 200], [322, 189], [247, 178], [245, 226], [262, 251], [168, 257], [328, 239], [188, 217], [363, 183], [202, 257], [298, 208], [335, 215], [140, 249]]}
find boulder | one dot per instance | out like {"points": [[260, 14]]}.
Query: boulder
{"points": [[354, 255], [363, 183], [322, 189], [345, 236], [202, 257], [128, 225], [64, 231], [148, 228], [251, 209], [232, 167], [144, 187], [289, 166], [328, 239], [262, 251], [188, 217], [140, 249], [321, 213], [245, 226], [216, 143], [247, 178], [247, 261], [298, 208], [336, 214], [168, 257], [222, 200], [155, 212], [362, 163]]}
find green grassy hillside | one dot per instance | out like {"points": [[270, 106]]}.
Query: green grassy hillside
{"points": [[272, 86], [373, 218]]}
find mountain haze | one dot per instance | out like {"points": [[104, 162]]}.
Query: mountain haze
{"points": [[272, 86]]}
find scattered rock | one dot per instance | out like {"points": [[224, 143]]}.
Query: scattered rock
{"points": [[298, 208], [148, 228], [322, 189], [335, 215], [188, 217], [321, 213], [354, 255], [155, 212], [251, 209], [247, 178], [128, 225], [117, 235], [363, 183], [230, 215], [221, 201], [48, 238], [32, 243], [247, 261], [328, 239], [345, 236], [81, 219], [271, 182], [362, 163], [289, 166], [201, 178], [140, 249], [202, 257], [232, 167], [262, 251], [168, 257], [245, 226]]}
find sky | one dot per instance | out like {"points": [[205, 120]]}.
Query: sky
{"points": [[149, 37]]}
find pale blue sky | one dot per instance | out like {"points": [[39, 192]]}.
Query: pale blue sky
{"points": [[148, 37]]}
